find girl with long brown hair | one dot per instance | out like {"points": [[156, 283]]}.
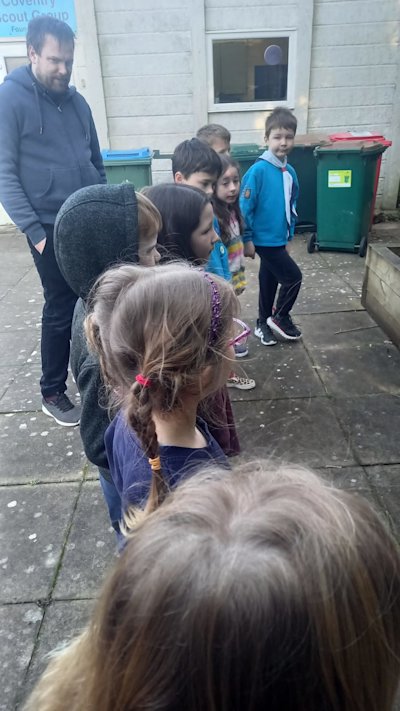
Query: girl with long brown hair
{"points": [[260, 589], [164, 337]]}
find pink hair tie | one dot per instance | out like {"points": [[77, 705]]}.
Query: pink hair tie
{"points": [[144, 382]]}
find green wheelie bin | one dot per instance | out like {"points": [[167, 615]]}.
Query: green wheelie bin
{"points": [[303, 160], [246, 154], [345, 191], [130, 166]]}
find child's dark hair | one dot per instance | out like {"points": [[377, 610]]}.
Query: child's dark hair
{"points": [[213, 130], [280, 118], [195, 156], [180, 207], [223, 211], [261, 588], [159, 322]]}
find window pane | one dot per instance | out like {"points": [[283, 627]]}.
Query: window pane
{"points": [[250, 69], [14, 62]]}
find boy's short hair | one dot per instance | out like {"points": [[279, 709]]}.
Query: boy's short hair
{"points": [[195, 156], [213, 130], [280, 118]]}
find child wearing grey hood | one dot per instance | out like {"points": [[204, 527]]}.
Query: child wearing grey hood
{"points": [[97, 227]]}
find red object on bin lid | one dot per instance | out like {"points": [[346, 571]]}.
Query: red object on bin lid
{"points": [[361, 136]]}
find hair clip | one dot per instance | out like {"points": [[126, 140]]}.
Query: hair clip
{"points": [[155, 464], [215, 310], [144, 382]]}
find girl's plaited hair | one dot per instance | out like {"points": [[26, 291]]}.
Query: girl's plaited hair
{"points": [[261, 588], [157, 322], [222, 211]]}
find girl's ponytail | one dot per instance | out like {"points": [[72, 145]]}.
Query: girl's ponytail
{"points": [[139, 417]]}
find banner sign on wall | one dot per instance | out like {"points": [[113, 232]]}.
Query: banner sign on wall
{"points": [[15, 14]]}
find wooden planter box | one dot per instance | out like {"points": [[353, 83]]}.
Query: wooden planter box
{"points": [[381, 288]]}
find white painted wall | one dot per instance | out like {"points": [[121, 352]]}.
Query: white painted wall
{"points": [[142, 65], [155, 74], [354, 67]]}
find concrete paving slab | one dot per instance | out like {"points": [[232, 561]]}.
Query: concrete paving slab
{"points": [[17, 262], [345, 477], [10, 278], [355, 479], [335, 295], [19, 319], [35, 449], [7, 376], [352, 275], [386, 480], [335, 260], [18, 629], [385, 232], [23, 394], [11, 239], [24, 294], [337, 330], [90, 550], [62, 622], [280, 371], [288, 415], [299, 431], [33, 524], [16, 347], [359, 370], [30, 283], [372, 425]]}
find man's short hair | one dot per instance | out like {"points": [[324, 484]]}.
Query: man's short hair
{"points": [[195, 156], [44, 25], [280, 118], [213, 130]]}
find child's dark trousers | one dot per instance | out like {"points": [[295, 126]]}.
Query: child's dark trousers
{"points": [[277, 267]]}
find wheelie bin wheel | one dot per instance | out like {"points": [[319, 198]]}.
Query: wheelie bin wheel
{"points": [[312, 241], [362, 250]]}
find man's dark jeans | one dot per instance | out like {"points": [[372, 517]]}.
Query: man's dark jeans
{"points": [[59, 304]]}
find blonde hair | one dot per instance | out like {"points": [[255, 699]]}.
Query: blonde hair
{"points": [[262, 588], [157, 322], [149, 218]]}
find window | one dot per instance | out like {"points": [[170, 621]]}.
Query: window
{"points": [[12, 55], [250, 71]]}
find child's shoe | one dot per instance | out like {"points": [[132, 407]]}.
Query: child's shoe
{"points": [[241, 350], [284, 327], [263, 331], [241, 383]]}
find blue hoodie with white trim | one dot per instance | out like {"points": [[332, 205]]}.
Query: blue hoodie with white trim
{"points": [[262, 202]]}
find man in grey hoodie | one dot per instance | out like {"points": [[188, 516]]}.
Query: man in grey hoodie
{"points": [[49, 149]]}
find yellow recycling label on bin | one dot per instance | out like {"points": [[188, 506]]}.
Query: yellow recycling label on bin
{"points": [[339, 178]]}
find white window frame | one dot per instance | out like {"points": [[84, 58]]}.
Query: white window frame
{"points": [[16, 48], [289, 102]]}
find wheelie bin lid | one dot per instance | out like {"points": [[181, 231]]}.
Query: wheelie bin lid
{"points": [[311, 140], [246, 149], [364, 146], [128, 156], [360, 135]]}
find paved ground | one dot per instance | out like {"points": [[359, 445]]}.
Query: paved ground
{"points": [[330, 401]]}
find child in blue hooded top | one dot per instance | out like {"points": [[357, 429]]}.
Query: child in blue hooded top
{"points": [[268, 203]]}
